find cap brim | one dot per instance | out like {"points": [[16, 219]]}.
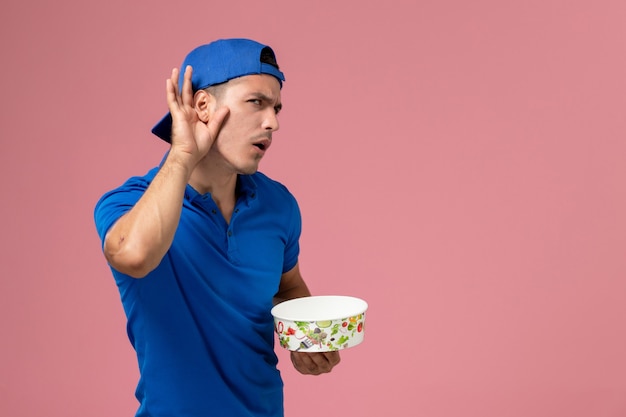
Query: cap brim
{"points": [[163, 129]]}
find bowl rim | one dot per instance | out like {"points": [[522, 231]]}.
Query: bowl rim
{"points": [[278, 311]]}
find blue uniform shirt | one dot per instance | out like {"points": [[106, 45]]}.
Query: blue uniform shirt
{"points": [[200, 322]]}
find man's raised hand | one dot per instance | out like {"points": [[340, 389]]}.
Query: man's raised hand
{"points": [[192, 134]]}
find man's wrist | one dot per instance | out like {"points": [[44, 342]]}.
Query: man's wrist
{"points": [[182, 162]]}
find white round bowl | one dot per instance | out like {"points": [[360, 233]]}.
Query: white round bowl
{"points": [[320, 323]]}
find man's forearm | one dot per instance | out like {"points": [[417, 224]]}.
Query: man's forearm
{"points": [[138, 241]]}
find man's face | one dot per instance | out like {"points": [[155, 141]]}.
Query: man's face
{"points": [[254, 102]]}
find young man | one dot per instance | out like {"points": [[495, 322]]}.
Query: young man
{"points": [[203, 246]]}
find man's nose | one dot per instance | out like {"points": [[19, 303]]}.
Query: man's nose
{"points": [[271, 121]]}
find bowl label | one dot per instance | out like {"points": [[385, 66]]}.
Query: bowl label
{"points": [[319, 336]]}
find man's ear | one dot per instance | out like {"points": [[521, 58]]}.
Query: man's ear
{"points": [[204, 104]]}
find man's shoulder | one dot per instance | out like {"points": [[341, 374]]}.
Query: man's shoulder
{"points": [[114, 203], [127, 192], [266, 184], [260, 177], [137, 181]]}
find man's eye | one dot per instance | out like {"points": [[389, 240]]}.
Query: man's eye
{"points": [[255, 101]]}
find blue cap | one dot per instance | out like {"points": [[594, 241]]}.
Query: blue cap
{"points": [[218, 62]]}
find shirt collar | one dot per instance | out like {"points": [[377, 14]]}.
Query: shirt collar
{"points": [[246, 186]]}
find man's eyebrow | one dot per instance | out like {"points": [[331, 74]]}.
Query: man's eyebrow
{"points": [[263, 97]]}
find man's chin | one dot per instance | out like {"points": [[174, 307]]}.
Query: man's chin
{"points": [[249, 170]]}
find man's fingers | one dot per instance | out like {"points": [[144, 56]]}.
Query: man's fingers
{"points": [[216, 122], [187, 93], [174, 79], [333, 357], [326, 360], [315, 363], [320, 364], [304, 363], [171, 89]]}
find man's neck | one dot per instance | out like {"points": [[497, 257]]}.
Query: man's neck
{"points": [[221, 183]]}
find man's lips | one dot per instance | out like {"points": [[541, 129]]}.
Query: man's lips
{"points": [[263, 144]]}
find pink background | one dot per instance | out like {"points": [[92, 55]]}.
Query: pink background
{"points": [[459, 164]]}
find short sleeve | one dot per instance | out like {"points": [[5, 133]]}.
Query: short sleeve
{"points": [[292, 248], [114, 204]]}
